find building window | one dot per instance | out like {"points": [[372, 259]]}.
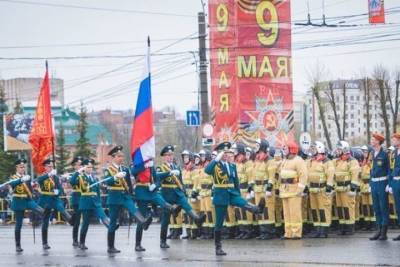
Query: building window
{"points": [[351, 107], [358, 98], [352, 125], [351, 116], [352, 98]]}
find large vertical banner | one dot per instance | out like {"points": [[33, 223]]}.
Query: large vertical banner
{"points": [[257, 42], [376, 11]]}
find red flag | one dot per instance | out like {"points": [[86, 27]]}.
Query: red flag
{"points": [[41, 136], [376, 10]]}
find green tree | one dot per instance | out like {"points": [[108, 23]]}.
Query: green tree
{"points": [[83, 147], [18, 107], [62, 153], [6, 159]]}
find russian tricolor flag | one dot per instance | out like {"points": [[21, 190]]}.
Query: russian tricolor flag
{"points": [[142, 137]]}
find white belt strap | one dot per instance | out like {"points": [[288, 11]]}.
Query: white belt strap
{"points": [[379, 179]]}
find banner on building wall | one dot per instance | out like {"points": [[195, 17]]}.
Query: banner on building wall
{"points": [[16, 131], [376, 11], [251, 84]]}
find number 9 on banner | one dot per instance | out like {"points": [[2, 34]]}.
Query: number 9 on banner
{"points": [[222, 17], [270, 28]]}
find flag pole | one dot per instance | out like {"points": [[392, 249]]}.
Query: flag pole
{"points": [[52, 136]]}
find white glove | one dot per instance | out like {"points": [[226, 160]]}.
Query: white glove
{"points": [[351, 193], [149, 164], [53, 172], [120, 175], [369, 189], [175, 172], [81, 170], [25, 178], [390, 190], [268, 194], [193, 200], [219, 156], [152, 187], [248, 196], [56, 192]]}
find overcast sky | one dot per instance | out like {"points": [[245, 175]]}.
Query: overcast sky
{"points": [[38, 30]]}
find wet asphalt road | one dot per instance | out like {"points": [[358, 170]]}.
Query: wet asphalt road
{"points": [[356, 250]]}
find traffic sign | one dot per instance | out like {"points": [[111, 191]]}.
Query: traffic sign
{"points": [[192, 118], [208, 130], [305, 141]]}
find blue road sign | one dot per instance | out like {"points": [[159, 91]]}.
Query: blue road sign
{"points": [[192, 118]]}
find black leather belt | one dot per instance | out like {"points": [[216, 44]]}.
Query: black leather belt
{"points": [[258, 182], [288, 180], [206, 186], [317, 185], [346, 183], [188, 186], [244, 185]]}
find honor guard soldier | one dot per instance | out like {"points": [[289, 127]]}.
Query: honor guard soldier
{"points": [[392, 206], [347, 172], [321, 173], [380, 186], [119, 187], [170, 177], [50, 192], [22, 199], [394, 186], [293, 181], [74, 200], [365, 190], [146, 192], [226, 191], [89, 202]]}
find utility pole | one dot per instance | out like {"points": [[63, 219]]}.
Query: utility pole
{"points": [[203, 68]]}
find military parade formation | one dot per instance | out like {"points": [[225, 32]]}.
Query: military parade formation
{"points": [[233, 192]]}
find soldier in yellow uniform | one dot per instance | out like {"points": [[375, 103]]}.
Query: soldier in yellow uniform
{"points": [[203, 188], [321, 173], [293, 180], [266, 220], [242, 167], [274, 166], [188, 176], [347, 172], [249, 167], [365, 190]]}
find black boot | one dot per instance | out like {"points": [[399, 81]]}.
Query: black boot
{"points": [[145, 222], [218, 245], [241, 232], [18, 241], [171, 233], [377, 234], [175, 234], [82, 240], [269, 232], [75, 233], [204, 232], [163, 238], [195, 233], [256, 209], [342, 229], [138, 245], [188, 234], [44, 239], [247, 232], [383, 235], [323, 233], [397, 238], [110, 243], [317, 232], [350, 229], [198, 219], [67, 217], [263, 231], [173, 209]]}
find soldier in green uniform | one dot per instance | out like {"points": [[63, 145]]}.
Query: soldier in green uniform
{"points": [[120, 190], [146, 192], [170, 177], [74, 200], [227, 191], [89, 202], [49, 200], [21, 199]]}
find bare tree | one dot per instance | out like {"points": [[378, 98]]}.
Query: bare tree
{"points": [[381, 77], [393, 98], [334, 105], [315, 79], [344, 111], [367, 101]]}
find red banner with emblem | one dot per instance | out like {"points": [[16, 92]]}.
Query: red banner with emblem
{"points": [[41, 136], [376, 11], [251, 81]]}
